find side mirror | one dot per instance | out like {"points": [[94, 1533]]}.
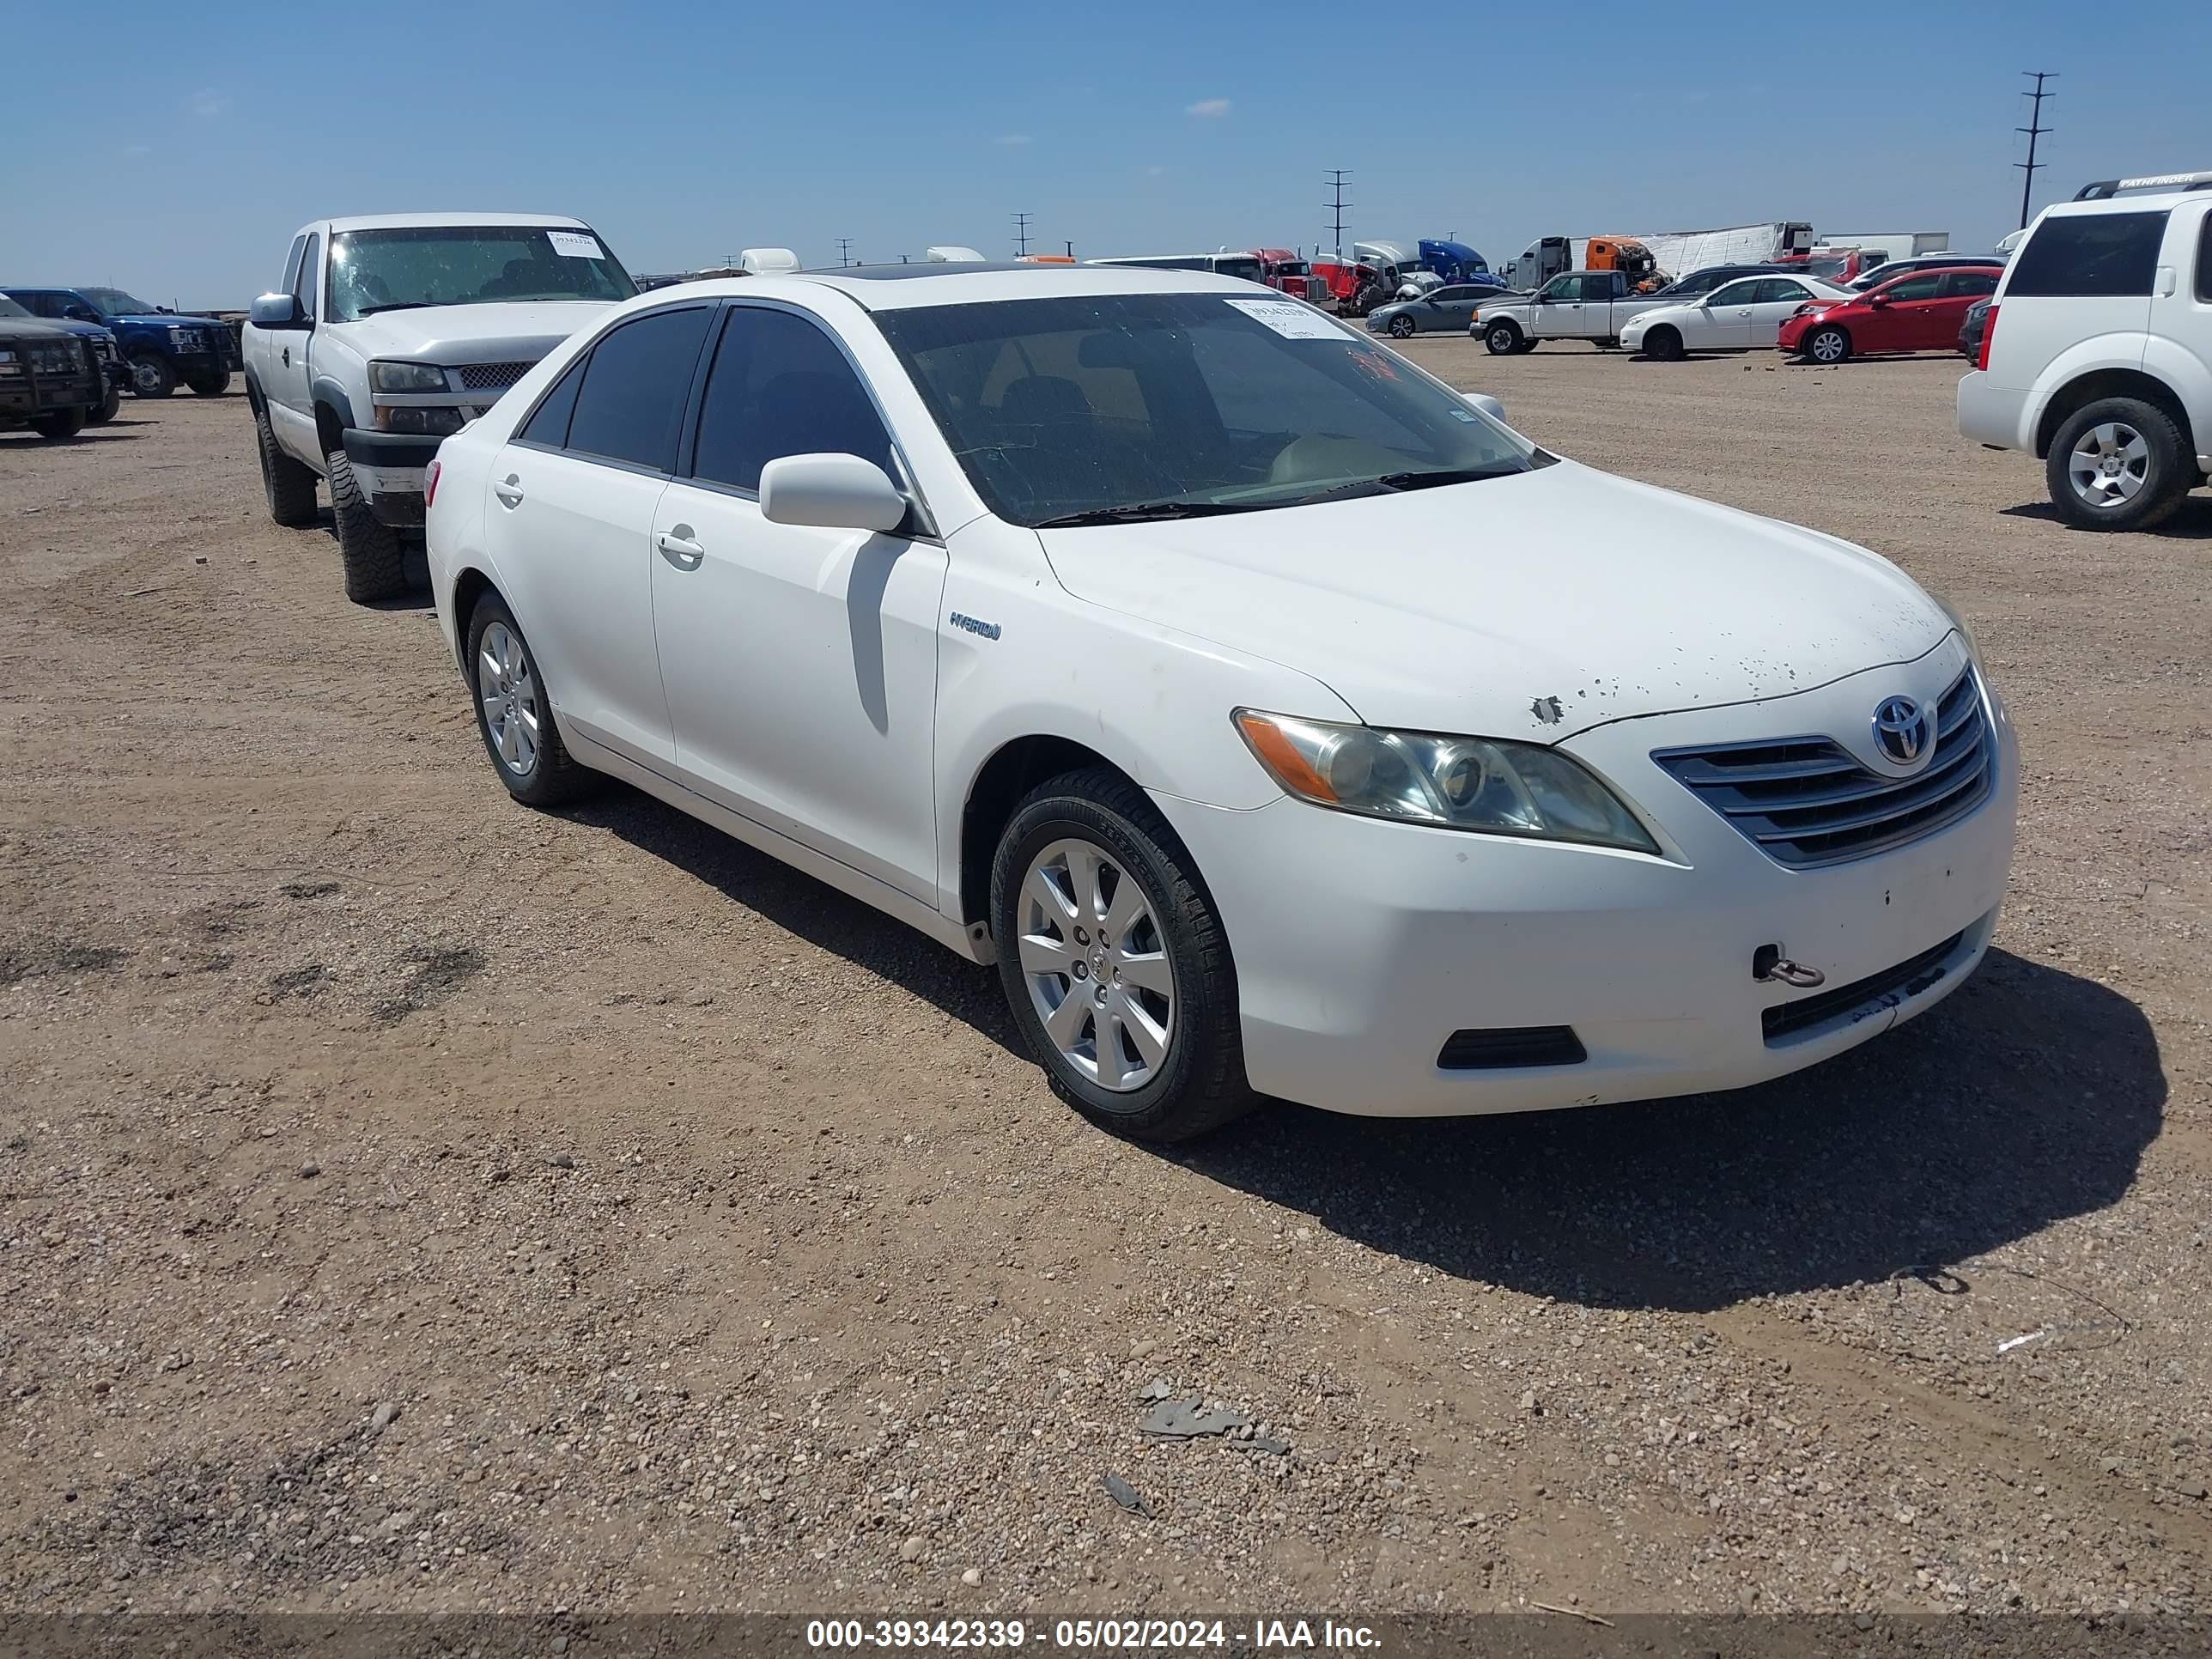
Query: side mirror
{"points": [[1488, 404], [1877, 300], [275, 311], [76, 314], [831, 492]]}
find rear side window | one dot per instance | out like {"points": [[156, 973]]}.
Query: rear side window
{"points": [[550, 424], [781, 386], [630, 405], [2204, 263], [1973, 282], [2086, 255]]}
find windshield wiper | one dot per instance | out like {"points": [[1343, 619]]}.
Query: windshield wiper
{"points": [[395, 305], [1445, 475], [1149, 512]]}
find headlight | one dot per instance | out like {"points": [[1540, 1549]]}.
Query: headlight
{"points": [[406, 377], [424, 420], [1973, 650], [1455, 783]]}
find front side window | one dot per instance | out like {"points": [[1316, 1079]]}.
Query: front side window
{"points": [[630, 405], [303, 285], [1109, 408], [2084, 255], [1911, 288], [779, 386], [373, 270], [1741, 293], [1564, 288], [291, 267]]}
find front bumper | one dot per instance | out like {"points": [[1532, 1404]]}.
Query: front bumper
{"points": [[1361, 946], [389, 468], [26, 396]]}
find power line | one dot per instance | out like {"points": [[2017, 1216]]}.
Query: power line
{"points": [[1021, 235], [2034, 130], [1337, 205], [844, 250]]}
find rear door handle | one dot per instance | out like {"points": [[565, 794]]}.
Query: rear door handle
{"points": [[509, 491], [679, 548]]}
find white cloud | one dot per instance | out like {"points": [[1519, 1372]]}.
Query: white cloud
{"points": [[1210, 108], [208, 102], [1154, 171], [137, 149], [1012, 140]]}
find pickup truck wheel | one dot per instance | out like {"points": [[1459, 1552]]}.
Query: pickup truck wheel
{"points": [[1503, 339], [514, 716], [1664, 342], [289, 484], [210, 385], [1828, 345], [151, 375], [62, 423], [110, 407], [2119, 463], [368, 550], [1114, 963], [1401, 328]]}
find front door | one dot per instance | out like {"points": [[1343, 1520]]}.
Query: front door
{"points": [[289, 382], [1558, 313], [1730, 309], [800, 663], [1451, 309]]}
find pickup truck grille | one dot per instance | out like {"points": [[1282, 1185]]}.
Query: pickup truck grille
{"points": [[484, 377], [1805, 802]]}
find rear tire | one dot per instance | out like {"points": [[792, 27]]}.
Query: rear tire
{"points": [[2117, 464], [151, 375], [368, 550], [1171, 937], [62, 423], [1665, 344], [289, 484], [514, 715], [1504, 339], [1830, 346]]}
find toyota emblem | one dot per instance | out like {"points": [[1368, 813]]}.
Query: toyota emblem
{"points": [[1900, 731]]}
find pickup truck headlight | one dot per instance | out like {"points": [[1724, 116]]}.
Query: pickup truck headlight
{"points": [[406, 377], [424, 420], [1481, 783]]}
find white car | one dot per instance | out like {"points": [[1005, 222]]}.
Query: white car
{"points": [[2096, 355], [387, 332], [1278, 720], [1738, 316]]}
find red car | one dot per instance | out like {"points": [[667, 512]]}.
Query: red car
{"points": [[1919, 311]]}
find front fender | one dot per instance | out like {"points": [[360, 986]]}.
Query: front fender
{"points": [[332, 391]]}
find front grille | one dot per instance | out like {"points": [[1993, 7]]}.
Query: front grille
{"points": [[1806, 802], [1875, 993], [483, 377], [1498, 1046]]}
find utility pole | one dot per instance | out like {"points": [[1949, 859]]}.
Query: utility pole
{"points": [[1070, 248], [844, 251], [1021, 235], [1337, 205], [2034, 130]]}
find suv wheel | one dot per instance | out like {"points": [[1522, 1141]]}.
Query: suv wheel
{"points": [[289, 484], [514, 715], [151, 375], [367, 548], [2118, 464], [1114, 963]]}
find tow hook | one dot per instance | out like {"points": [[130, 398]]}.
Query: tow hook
{"points": [[1768, 964]]}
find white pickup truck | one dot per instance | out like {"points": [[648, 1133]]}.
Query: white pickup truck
{"points": [[1578, 305], [389, 334]]}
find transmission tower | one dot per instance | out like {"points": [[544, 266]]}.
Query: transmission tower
{"points": [[1336, 204], [1021, 234], [2034, 130]]}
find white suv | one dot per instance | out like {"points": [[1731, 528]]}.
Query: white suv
{"points": [[2097, 357], [389, 332]]}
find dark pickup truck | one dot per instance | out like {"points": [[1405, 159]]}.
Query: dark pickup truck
{"points": [[50, 380], [161, 348]]}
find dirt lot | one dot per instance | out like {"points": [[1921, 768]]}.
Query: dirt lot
{"points": [[407, 1200]]}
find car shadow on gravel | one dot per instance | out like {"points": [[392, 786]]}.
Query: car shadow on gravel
{"points": [[2191, 520], [2028, 1096]]}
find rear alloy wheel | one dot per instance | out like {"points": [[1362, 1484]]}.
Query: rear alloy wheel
{"points": [[514, 715], [2117, 465], [1503, 339], [1401, 328], [1828, 345]]}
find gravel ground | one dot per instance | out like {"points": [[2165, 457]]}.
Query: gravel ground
{"points": [[407, 1201]]}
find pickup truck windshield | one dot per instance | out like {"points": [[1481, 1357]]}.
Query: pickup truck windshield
{"points": [[1110, 409], [373, 270], [114, 302], [9, 308]]}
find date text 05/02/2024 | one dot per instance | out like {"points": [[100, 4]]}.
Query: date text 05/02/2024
{"points": [[1137, 1634]]}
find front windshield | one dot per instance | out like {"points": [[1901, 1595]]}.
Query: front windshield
{"points": [[9, 308], [1099, 407], [373, 270], [114, 302]]}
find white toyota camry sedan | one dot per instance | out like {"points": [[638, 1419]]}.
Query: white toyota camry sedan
{"points": [[1738, 316], [1277, 719]]}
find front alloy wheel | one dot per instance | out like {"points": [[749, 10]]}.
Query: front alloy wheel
{"points": [[1401, 328], [1096, 965], [1828, 345]]}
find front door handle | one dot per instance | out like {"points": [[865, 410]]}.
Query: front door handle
{"points": [[509, 491], [680, 549], [285, 356]]}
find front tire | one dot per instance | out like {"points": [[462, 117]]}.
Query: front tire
{"points": [[368, 549], [1830, 346], [110, 407], [151, 375], [514, 716], [1114, 962], [1401, 328], [211, 386], [1665, 344], [1502, 339], [289, 485], [62, 423], [2117, 464]]}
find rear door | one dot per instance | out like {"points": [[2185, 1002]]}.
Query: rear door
{"points": [[1776, 301], [2181, 313], [1961, 289], [1911, 320]]}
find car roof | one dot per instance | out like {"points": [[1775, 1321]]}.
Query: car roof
{"points": [[2161, 201], [901, 288], [432, 221]]}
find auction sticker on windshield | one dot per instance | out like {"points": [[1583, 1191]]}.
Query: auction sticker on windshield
{"points": [[575, 245], [1289, 319]]}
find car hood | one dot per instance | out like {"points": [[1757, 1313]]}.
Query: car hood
{"points": [[163, 319], [1533, 606], [33, 328], [495, 331]]}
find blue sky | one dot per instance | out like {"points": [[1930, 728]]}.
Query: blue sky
{"points": [[684, 131]]}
